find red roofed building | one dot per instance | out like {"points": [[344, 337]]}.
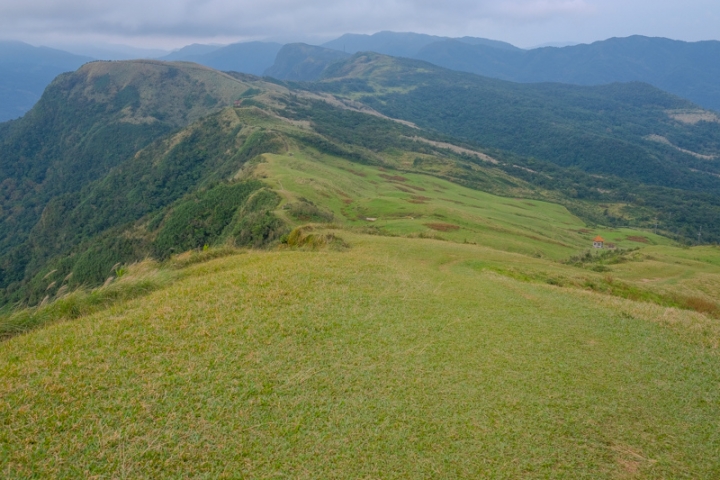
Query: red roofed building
{"points": [[598, 242]]}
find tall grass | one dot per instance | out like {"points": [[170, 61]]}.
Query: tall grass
{"points": [[136, 280], [392, 359], [129, 282], [609, 285]]}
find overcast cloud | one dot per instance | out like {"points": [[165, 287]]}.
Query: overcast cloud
{"points": [[173, 23]]}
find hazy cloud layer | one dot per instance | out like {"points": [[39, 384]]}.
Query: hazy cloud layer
{"points": [[166, 22]]}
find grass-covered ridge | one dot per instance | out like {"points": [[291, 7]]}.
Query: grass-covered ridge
{"points": [[395, 358], [397, 202], [303, 187]]}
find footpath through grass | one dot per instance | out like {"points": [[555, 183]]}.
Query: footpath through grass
{"points": [[393, 359]]}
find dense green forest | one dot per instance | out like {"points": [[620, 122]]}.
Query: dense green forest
{"points": [[180, 185], [602, 130]]}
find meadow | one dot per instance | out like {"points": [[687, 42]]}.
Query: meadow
{"points": [[399, 202], [391, 358], [407, 327]]}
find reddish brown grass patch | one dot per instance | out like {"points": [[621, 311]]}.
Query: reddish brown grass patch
{"points": [[635, 238], [359, 174], [393, 178], [419, 199], [443, 227], [702, 305]]}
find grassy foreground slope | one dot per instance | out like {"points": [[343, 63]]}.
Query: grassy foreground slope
{"points": [[395, 358]]}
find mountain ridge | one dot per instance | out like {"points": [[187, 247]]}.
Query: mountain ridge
{"points": [[400, 44], [184, 138], [246, 57], [25, 71], [692, 73]]}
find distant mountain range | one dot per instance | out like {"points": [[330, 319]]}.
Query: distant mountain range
{"points": [[404, 44], [250, 57], [689, 70], [25, 71]]}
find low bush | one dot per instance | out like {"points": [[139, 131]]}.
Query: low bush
{"points": [[306, 211]]}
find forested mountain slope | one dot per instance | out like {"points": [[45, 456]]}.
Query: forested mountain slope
{"points": [[302, 62], [687, 69], [88, 122], [633, 130]]}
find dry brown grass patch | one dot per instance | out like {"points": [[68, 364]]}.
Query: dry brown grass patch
{"points": [[702, 305], [393, 178], [442, 227]]}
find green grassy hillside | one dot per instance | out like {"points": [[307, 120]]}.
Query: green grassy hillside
{"points": [[414, 310], [412, 204], [393, 358]]}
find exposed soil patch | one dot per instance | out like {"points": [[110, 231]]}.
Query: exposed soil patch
{"points": [[453, 201], [442, 227], [638, 239], [393, 178], [355, 172], [403, 189], [665, 141], [354, 106], [419, 199], [456, 149], [691, 117], [702, 305]]}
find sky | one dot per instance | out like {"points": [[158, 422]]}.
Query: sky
{"points": [[168, 24]]}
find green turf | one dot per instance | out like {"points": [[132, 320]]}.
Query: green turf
{"points": [[393, 359], [436, 347], [407, 203]]}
